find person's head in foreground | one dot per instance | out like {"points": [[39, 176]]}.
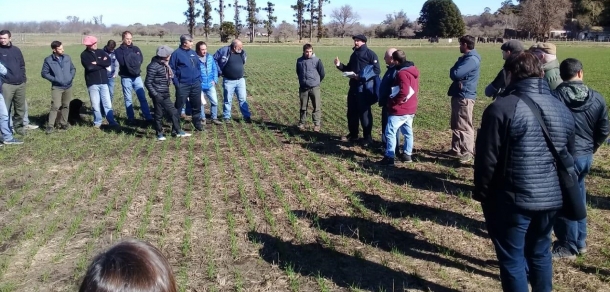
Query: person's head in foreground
{"points": [[522, 66]]}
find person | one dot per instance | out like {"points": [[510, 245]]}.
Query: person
{"points": [[231, 61], [310, 72], [497, 85], [515, 175], [113, 70], [591, 117], [14, 84], [463, 92], [209, 79], [359, 107], [60, 71], [158, 78], [130, 60], [402, 106], [95, 61], [129, 266], [184, 63], [5, 130], [547, 53], [385, 90]]}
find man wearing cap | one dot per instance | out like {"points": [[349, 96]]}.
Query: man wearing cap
{"points": [[60, 71], [95, 61], [547, 53], [130, 59], [359, 107], [158, 78], [231, 60], [184, 63], [497, 85]]}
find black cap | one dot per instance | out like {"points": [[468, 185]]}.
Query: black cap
{"points": [[360, 37], [513, 46]]}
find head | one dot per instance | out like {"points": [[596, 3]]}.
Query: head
{"points": [[201, 48], [237, 46], [186, 41], [399, 57], [466, 44], [111, 45], [164, 52], [5, 37], [129, 266], [307, 51], [127, 38], [388, 56], [571, 70], [546, 52], [511, 47], [359, 40], [522, 66], [57, 48], [90, 42]]}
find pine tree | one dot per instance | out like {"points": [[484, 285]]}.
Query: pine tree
{"points": [[441, 18]]}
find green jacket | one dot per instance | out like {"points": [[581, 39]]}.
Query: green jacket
{"points": [[551, 74]]}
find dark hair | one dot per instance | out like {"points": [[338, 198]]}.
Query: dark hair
{"points": [[569, 68], [307, 47], [4, 31], [129, 266], [125, 33], [400, 56], [199, 43], [55, 45], [111, 44], [468, 40], [522, 66]]}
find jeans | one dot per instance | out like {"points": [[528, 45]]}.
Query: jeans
{"points": [[238, 87], [405, 125], [111, 90], [359, 109], [572, 234], [136, 83], [99, 93], [5, 130], [522, 240], [193, 93], [212, 99]]}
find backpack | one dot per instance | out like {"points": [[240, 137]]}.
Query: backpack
{"points": [[132, 64]]}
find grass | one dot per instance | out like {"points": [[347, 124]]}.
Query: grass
{"points": [[264, 206]]}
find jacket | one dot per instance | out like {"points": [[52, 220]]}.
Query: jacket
{"points": [[185, 64], [385, 88], [590, 115], [60, 72], [95, 74], [156, 81], [407, 80], [129, 56], [222, 57], [496, 87], [465, 76], [114, 63], [513, 164], [310, 72], [209, 72], [360, 58], [12, 58], [551, 74]]}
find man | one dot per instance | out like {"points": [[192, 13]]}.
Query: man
{"points": [[113, 70], [359, 107], [463, 91], [158, 77], [310, 72], [95, 61], [515, 174], [497, 85], [547, 53], [184, 63], [60, 71], [14, 82], [591, 117], [130, 60], [231, 60], [5, 130], [385, 90], [209, 78]]}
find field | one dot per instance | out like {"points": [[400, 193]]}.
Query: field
{"points": [[263, 206]]}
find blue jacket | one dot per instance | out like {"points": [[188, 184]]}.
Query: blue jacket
{"points": [[465, 76], [114, 67], [60, 72], [209, 72], [185, 64], [222, 57]]}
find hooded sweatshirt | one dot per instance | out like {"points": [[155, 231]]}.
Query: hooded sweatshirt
{"points": [[407, 79], [551, 74], [590, 115]]}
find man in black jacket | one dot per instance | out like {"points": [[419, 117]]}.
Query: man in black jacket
{"points": [[358, 107], [592, 129], [60, 71], [497, 85], [515, 175]]}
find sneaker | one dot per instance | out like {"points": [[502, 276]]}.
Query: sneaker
{"points": [[49, 130], [30, 127], [13, 141], [248, 120], [387, 161], [203, 122], [183, 134], [20, 131], [405, 158], [64, 127], [466, 158], [216, 122], [161, 137], [228, 121], [316, 129], [452, 152], [561, 252], [301, 127], [367, 142], [582, 250]]}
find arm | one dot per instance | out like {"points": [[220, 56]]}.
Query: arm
{"points": [[487, 149], [462, 68], [496, 85], [375, 62], [22, 65], [149, 80], [3, 70], [214, 70], [120, 58], [72, 70], [46, 71], [140, 54], [321, 70], [173, 65], [86, 60], [104, 61], [602, 128]]}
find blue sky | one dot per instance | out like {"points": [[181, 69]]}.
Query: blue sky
{"points": [[157, 11]]}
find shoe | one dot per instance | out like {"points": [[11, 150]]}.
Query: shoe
{"points": [[248, 120], [452, 152], [160, 137], [405, 158], [183, 116], [349, 138], [30, 127], [203, 122], [20, 131], [13, 142], [49, 130], [561, 252], [367, 142], [64, 127], [316, 129], [301, 127], [582, 250], [216, 122], [386, 161], [228, 121], [183, 134], [466, 158]]}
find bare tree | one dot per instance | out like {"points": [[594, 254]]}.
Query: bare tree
{"points": [[284, 30], [345, 17], [540, 16]]}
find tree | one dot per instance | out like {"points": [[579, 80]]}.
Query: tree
{"points": [[236, 20], [252, 20], [590, 12], [320, 25], [192, 14], [441, 18], [207, 17], [312, 8], [227, 29], [345, 17], [285, 30], [221, 15], [270, 20], [396, 25], [540, 16], [299, 8]]}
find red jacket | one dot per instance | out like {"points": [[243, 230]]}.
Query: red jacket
{"points": [[407, 79]]}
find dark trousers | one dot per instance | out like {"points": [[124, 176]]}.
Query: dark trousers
{"points": [[60, 103], [359, 110], [384, 125], [313, 94], [522, 240], [164, 107], [14, 95], [193, 93]]}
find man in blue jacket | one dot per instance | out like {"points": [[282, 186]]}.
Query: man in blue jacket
{"points": [[463, 91], [60, 71], [231, 60], [209, 79], [184, 62]]}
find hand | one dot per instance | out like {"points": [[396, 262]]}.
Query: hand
{"points": [[337, 62], [105, 58], [114, 76], [94, 63], [355, 76]]}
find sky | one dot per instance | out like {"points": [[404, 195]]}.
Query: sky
{"points": [[145, 12]]}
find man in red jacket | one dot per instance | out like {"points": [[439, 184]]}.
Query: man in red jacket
{"points": [[402, 107]]}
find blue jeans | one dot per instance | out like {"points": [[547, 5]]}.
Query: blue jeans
{"points": [[238, 87], [212, 99], [5, 130], [136, 83], [111, 90], [98, 93], [405, 125], [572, 234], [522, 240]]}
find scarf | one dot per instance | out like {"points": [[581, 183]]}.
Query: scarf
{"points": [[169, 74]]}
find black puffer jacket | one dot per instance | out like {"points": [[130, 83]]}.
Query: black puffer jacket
{"points": [[513, 164], [156, 81]]}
